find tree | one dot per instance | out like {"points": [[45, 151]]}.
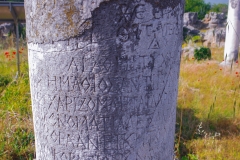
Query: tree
{"points": [[104, 77], [198, 6], [232, 33], [219, 8]]}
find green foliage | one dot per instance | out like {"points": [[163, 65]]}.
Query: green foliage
{"points": [[190, 157], [22, 31], [187, 38], [4, 81], [196, 38], [22, 138], [198, 6], [202, 54], [219, 8]]}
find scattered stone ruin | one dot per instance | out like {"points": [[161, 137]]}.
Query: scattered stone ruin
{"points": [[213, 25], [5, 29]]}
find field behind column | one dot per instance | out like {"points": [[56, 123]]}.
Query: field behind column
{"points": [[16, 127], [208, 117]]}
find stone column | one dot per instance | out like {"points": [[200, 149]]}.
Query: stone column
{"points": [[104, 77], [232, 33]]}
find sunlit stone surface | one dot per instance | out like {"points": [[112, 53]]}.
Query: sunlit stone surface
{"points": [[232, 33], [104, 78]]}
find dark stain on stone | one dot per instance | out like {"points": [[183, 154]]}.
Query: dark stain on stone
{"points": [[104, 29], [163, 4]]}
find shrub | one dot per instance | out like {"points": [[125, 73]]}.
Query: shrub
{"points": [[202, 53], [187, 39], [4, 80], [219, 8], [196, 38], [198, 6]]}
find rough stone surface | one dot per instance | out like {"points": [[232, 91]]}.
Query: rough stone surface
{"points": [[107, 91], [192, 23], [5, 29], [216, 19], [191, 31], [214, 37], [190, 18], [75, 17], [213, 24], [188, 52]]}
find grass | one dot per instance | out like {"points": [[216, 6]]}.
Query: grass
{"points": [[208, 113], [208, 95], [16, 136]]}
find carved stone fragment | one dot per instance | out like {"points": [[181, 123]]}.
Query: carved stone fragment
{"points": [[104, 78]]}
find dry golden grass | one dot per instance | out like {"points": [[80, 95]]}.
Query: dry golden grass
{"points": [[208, 95], [214, 149]]}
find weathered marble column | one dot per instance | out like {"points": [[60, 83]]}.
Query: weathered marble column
{"points": [[104, 77], [232, 33]]}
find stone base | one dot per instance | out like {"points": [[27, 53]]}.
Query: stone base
{"points": [[226, 64]]}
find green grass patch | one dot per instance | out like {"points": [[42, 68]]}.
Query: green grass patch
{"points": [[16, 136]]}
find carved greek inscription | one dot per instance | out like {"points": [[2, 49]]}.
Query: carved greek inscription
{"points": [[125, 33], [154, 44], [125, 13], [140, 9], [71, 83], [101, 94], [157, 13], [136, 63]]}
